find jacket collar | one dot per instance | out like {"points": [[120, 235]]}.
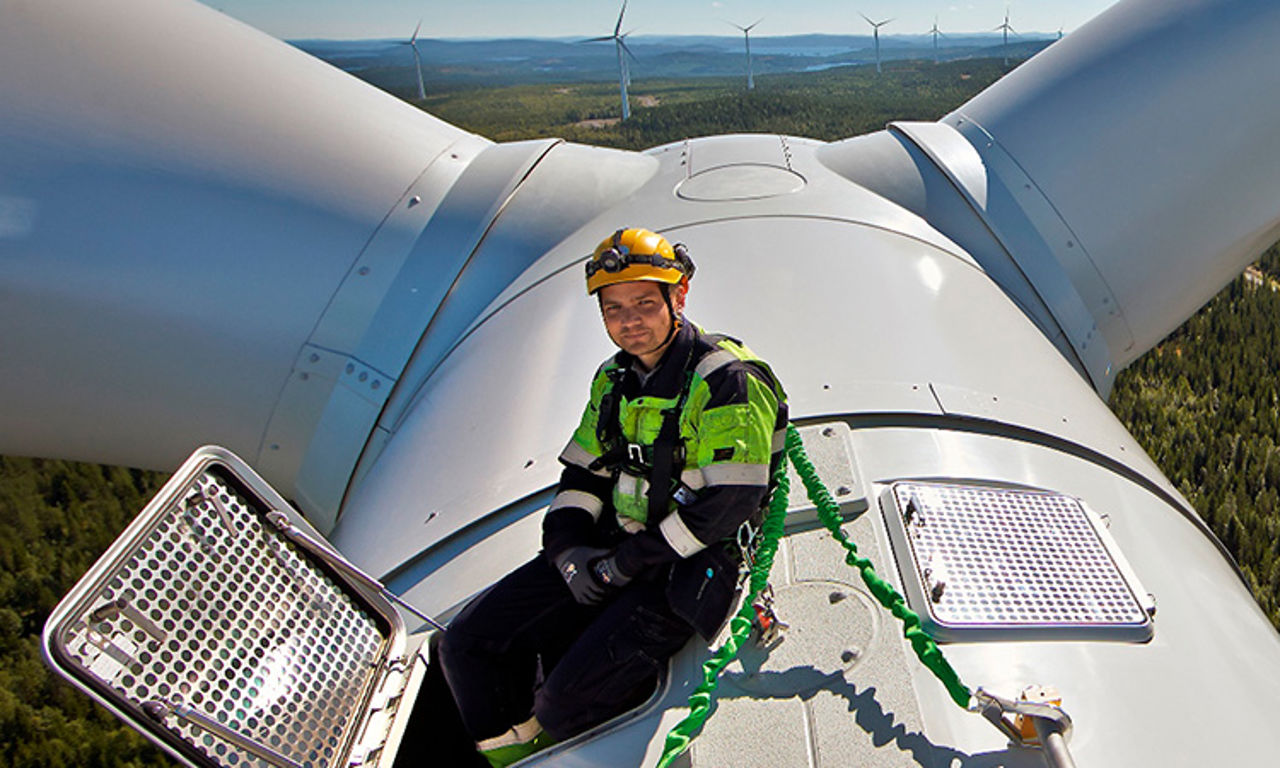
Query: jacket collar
{"points": [[667, 377]]}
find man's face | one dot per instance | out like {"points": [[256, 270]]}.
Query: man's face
{"points": [[636, 318]]}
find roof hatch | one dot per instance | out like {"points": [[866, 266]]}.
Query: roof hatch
{"points": [[983, 562], [227, 643]]}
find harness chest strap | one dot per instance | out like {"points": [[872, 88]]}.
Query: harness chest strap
{"points": [[664, 453], [661, 461]]}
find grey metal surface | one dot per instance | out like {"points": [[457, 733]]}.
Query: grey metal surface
{"points": [[901, 163], [830, 449], [929, 315], [1045, 248], [549, 204], [841, 673], [235, 643], [397, 318], [353, 359]]}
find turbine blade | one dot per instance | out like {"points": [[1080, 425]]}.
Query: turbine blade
{"points": [[415, 31], [297, 177], [869, 21], [598, 39], [618, 27], [623, 43], [757, 21]]}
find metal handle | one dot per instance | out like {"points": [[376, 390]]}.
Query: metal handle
{"points": [[159, 710], [1054, 743]]}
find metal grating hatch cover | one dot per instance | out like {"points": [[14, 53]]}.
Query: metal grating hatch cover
{"points": [[988, 562], [218, 637]]}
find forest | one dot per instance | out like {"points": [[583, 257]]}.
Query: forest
{"points": [[1203, 402], [1204, 405], [828, 105]]}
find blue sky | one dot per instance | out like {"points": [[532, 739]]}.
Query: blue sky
{"points": [[353, 19]]}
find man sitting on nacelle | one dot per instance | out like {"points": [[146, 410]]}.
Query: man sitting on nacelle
{"points": [[675, 453]]}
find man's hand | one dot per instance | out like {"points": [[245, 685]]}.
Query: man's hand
{"points": [[607, 572], [574, 565]]}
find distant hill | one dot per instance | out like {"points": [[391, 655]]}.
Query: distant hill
{"points": [[452, 63]]}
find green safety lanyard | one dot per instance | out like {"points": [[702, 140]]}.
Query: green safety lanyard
{"points": [[682, 734]]}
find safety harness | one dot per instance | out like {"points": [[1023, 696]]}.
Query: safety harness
{"points": [[663, 461]]}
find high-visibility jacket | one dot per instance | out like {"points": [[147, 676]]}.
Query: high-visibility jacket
{"points": [[731, 431]]}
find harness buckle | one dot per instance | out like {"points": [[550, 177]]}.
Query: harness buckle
{"points": [[635, 454]]}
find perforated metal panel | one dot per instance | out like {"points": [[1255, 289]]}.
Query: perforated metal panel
{"points": [[203, 611], [984, 560]]}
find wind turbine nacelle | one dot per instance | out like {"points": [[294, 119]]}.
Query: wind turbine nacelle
{"points": [[387, 316], [861, 306]]}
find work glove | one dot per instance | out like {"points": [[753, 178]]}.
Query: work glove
{"points": [[607, 572], [574, 565]]}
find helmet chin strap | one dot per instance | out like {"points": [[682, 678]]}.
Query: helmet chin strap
{"points": [[671, 312]]}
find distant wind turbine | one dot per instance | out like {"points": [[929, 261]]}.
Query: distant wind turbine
{"points": [[935, 32], [626, 65], [620, 45], [875, 28], [1006, 29], [746, 34], [417, 59]]}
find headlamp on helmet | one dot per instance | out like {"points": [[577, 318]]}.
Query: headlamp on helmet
{"points": [[637, 254]]}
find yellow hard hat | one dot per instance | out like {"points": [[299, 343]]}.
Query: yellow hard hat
{"points": [[637, 254]]}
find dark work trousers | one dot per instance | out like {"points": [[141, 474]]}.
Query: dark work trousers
{"points": [[524, 647]]}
